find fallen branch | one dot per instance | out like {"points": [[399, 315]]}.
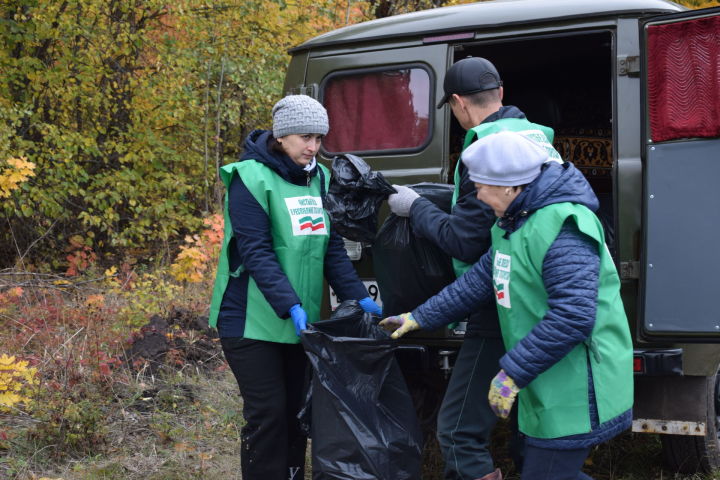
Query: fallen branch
{"points": [[13, 278]]}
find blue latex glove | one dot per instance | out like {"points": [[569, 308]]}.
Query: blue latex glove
{"points": [[369, 306], [299, 318]]}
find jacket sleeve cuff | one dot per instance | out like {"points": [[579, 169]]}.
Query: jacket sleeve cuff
{"points": [[417, 204], [418, 318], [514, 371], [282, 310]]}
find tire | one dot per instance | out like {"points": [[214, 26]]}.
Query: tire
{"points": [[691, 454]]}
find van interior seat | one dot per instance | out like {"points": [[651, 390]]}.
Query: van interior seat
{"points": [[591, 150]]}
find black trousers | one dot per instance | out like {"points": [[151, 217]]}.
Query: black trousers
{"points": [[543, 464], [466, 421], [271, 377]]}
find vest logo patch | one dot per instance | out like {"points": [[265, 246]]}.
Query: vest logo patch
{"points": [[539, 137], [311, 223], [501, 279], [306, 215]]}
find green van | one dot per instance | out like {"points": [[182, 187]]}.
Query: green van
{"points": [[632, 90]]}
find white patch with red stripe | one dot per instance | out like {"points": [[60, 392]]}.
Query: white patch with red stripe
{"points": [[306, 215], [501, 279]]}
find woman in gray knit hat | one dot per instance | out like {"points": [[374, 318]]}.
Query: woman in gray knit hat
{"points": [[278, 246]]}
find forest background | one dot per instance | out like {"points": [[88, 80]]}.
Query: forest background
{"points": [[115, 116]]}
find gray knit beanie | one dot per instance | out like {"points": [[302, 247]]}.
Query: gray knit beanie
{"points": [[299, 114], [505, 158]]}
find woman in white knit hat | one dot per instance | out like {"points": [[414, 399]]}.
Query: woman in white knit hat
{"points": [[278, 245], [556, 288]]}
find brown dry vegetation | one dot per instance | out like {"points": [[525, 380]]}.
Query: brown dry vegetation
{"points": [[122, 401]]}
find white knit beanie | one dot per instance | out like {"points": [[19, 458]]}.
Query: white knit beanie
{"points": [[504, 158], [299, 114]]}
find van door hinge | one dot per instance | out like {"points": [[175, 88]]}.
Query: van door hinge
{"points": [[628, 65], [629, 270]]}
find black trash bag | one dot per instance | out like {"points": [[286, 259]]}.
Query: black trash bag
{"points": [[410, 269], [354, 198], [348, 314], [364, 424]]}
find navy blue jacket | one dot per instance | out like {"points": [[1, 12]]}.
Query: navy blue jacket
{"points": [[253, 246], [465, 233], [570, 277]]}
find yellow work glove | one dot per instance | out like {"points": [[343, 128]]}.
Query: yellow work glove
{"points": [[502, 394], [399, 324]]}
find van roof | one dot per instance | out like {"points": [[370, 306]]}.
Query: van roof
{"points": [[488, 14]]}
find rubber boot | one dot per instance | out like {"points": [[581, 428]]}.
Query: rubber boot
{"points": [[496, 475]]}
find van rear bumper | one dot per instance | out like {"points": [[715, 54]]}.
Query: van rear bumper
{"points": [[658, 362]]}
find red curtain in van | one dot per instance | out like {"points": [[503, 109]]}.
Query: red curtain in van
{"points": [[684, 79], [374, 111]]}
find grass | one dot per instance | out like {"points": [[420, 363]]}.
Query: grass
{"points": [[186, 425], [99, 414]]}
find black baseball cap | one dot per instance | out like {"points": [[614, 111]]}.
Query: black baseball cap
{"points": [[470, 75]]}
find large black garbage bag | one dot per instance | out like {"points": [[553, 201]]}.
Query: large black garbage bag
{"points": [[364, 424], [354, 197], [410, 269]]}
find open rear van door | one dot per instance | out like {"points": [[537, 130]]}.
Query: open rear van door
{"points": [[680, 60]]}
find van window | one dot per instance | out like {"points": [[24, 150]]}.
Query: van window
{"points": [[682, 68], [377, 110]]}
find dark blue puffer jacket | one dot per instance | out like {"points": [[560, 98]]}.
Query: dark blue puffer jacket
{"points": [[570, 276], [253, 246]]}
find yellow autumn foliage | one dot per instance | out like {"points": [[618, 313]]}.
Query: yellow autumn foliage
{"points": [[196, 260], [14, 172], [16, 378], [697, 4], [190, 265]]}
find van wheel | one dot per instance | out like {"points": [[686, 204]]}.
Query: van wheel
{"points": [[690, 454]]}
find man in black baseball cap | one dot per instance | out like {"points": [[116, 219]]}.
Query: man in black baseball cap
{"points": [[474, 91], [470, 75]]}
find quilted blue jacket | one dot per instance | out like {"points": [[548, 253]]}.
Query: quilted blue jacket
{"points": [[570, 276]]}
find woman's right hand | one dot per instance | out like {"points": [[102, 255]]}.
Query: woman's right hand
{"points": [[299, 318], [400, 324]]}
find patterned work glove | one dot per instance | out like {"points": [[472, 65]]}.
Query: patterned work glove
{"points": [[502, 394], [369, 306], [400, 324], [299, 318], [401, 201]]}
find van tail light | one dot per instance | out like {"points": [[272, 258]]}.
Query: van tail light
{"points": [[638, 364], [658, 362], [683, 78]]}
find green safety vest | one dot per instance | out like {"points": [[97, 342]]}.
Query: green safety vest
{"points": [[541, 134], [556, 403], [300, 229]]}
